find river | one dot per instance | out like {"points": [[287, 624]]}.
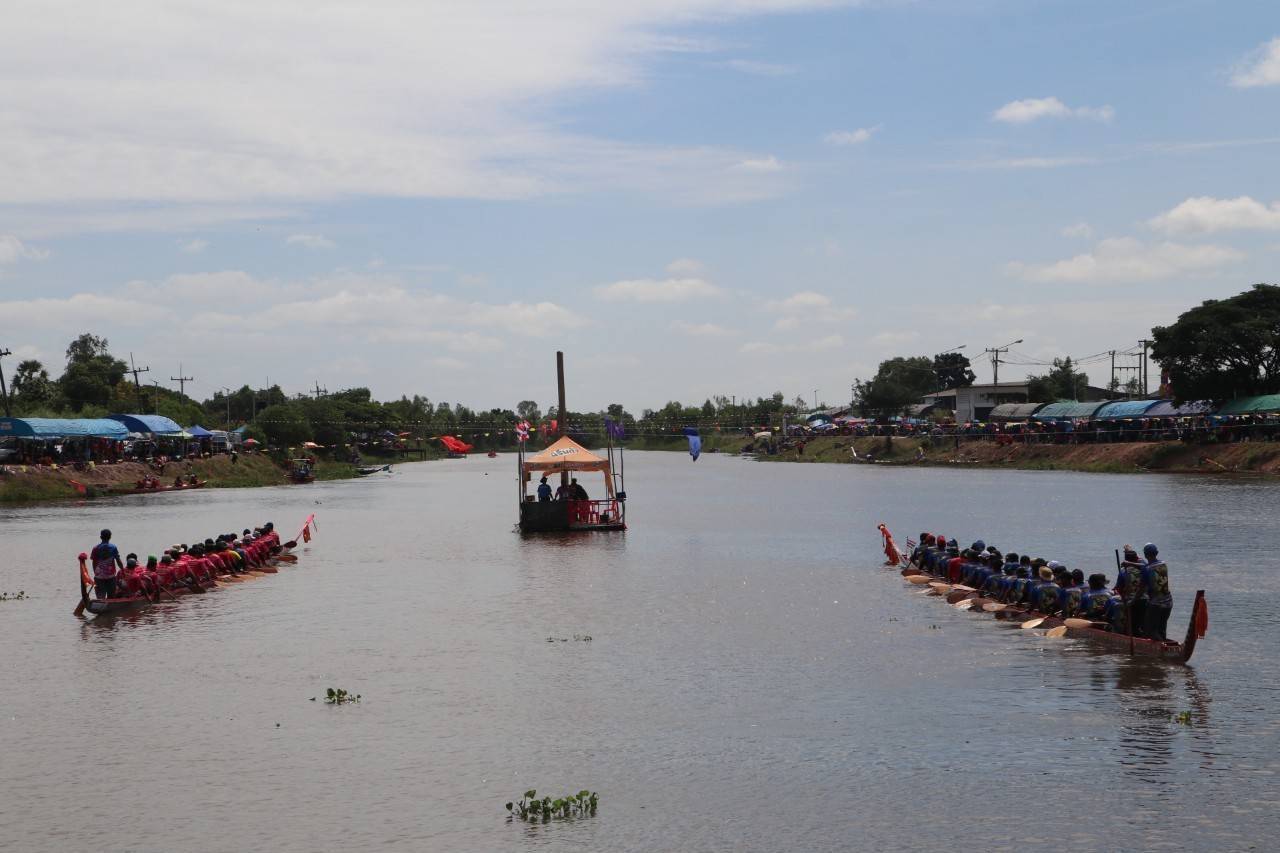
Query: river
{"points": [[754, 680]]}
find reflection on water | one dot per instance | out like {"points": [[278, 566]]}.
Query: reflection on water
{"points": [[754, 680]]}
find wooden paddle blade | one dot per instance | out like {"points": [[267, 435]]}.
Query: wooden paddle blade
{"points": [[79, 611], [1073, 622], [994, 606], [939, 585], [963, 605], [1060, 631], [917, 579], [1032, 623], [963, 587]]}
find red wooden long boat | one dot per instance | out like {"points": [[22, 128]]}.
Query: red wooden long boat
{"points": [[192, 585], [1166, 650], [147, 490]]}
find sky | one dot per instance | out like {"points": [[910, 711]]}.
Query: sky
{"points": [[688, 197]]}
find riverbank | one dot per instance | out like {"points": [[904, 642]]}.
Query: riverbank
{"points": [[25, 484], [1134, 457]]}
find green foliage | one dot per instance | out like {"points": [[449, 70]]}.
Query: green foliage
{"points": [[951, 370], [285, 425], [31, 386], [530, 808], [1223, 348], [1063, 382], [898, 383], [338, 696], [91, 374]]}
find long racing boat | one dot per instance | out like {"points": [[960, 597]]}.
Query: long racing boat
{"points": [[969, 599]]}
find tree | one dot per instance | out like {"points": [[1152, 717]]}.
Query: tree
{"points": [[898, 383], [1063, 382], [951, 369], [708, 410], [285, 425], [31, 386], [528, 411], [1223, 348], [91, 372]]}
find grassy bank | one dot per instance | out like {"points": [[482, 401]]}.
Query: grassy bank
{"points": [[32, 483], [1255, 457]]}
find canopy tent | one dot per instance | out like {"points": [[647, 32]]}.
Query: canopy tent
{"points": [[1166, 409], [1014, 411], [63, 428], [1068, 410], [1252, 405], [566, 455], [1125, 409], [198, 431], [155, 424]]}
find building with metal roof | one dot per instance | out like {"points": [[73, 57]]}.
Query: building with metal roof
{"points": [[54, 428], [1014, 411]]}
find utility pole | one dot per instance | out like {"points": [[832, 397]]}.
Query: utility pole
{"points": [[1145, 343], [1112, 386], [815, 399], [226, 392], [182, 381], [995, 353], [320, 390], [137, 386], [155, 398], [4, 392]]}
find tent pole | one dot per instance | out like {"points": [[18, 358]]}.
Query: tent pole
{"points": [[560, 412]]}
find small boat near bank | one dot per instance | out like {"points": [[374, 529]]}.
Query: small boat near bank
{"points": [[969, 599], [366, 470], [155, 486]]}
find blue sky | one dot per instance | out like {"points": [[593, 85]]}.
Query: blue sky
{"points": [[689, 198]]}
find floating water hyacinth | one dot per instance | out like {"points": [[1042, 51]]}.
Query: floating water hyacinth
{"points": [[530, 808]]}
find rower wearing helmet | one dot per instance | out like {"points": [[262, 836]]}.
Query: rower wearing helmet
{"points": [[1159, 595]]}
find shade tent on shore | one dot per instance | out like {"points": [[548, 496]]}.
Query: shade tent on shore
{"points": [[1166, 409], [198, 431], [1126, 409], [154, 424], [1252, 405], [1014, 411], [51, 428], [1068, 410]]}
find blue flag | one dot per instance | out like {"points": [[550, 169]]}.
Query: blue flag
{"points": [[614, 429], [695, 442]]}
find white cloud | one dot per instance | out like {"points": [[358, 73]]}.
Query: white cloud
{"points": [[1032, 109], [1078, 229], [1124, 259], [760, 164], [850, 137], [685, 266], [13, 250], [760, 69], [187, 111], [310, 241], [805, 300], [194, 247], [657, 290], [1206, 215], [828, 342], [1020, 163], [1260, 68], [702, 330], [806, 308]]}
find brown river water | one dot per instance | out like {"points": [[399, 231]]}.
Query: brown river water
{"points": [[754, 679]]}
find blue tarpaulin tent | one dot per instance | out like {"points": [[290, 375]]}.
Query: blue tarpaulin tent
{"points": [[198, 431], [1066, 410], [1126, 409], [62, 428], [157, 424]]}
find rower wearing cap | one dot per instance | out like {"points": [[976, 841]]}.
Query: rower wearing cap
{"points": [[1132, 587], [1160, 596]]}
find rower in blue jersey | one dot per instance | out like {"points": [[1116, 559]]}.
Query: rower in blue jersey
{"points": [[1095, 601], [1131, 584], [1069, 597], [1046, 597], [1018, 588]]}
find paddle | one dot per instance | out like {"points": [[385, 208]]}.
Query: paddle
{"points": [[940, 586], [994, 606], [1128, 604], [1074, 622], [1060, 631], [963, 605], [1033, 623], [918, 579]]}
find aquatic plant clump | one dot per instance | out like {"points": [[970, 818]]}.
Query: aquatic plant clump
{"points": [[338, 696], [13, 596], [530, 808]]}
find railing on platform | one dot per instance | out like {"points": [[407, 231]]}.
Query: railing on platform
{"points": [[595, 512]]}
